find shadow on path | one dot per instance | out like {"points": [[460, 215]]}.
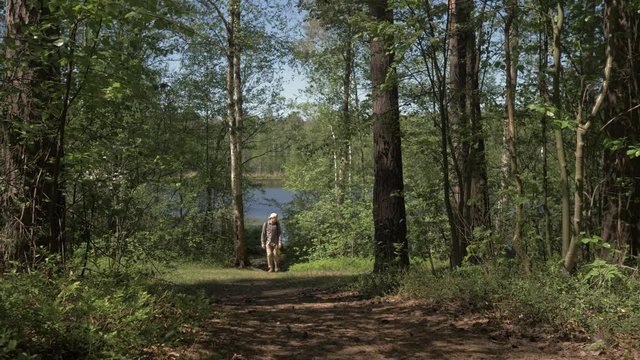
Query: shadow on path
{"points": [[290, 317]]}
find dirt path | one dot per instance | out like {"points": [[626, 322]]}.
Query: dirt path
{"points": [[285, 318]]}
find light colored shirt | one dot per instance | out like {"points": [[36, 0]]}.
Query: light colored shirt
{"points": [[271, 234]]}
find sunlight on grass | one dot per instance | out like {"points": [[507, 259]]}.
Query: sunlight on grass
{"points": [[341, 265], [194, 273]]}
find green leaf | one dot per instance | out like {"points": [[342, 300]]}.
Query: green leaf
{"points": [[132, 15]]}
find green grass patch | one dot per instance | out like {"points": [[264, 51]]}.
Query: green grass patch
{"points": [[340, 265], [195, 273]]}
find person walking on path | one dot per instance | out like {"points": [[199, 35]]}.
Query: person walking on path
{"points": [[271, 240]]}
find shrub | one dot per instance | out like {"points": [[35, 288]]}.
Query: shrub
{"points": [[67, 317], [469, 285], [325, 230], [569, 304], [372, 285]]}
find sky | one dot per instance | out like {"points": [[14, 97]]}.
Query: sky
{"points": [[294, 83]]}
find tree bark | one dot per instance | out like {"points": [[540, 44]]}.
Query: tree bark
{"points": [[31, 202], [621, 214], [389, 216]]}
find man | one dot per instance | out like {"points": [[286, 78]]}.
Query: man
{"points": [[271, 240]]}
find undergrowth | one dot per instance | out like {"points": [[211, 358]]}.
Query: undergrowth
{"points": [[115, 316], [570, 304]]}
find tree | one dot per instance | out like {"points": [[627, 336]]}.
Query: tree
{"points": [[332, 49], [32, 203], [390, 241], [621, 189], [467, 142], [511, 63], [557, 26], [584, 124], [235, 116], [543, 91]]}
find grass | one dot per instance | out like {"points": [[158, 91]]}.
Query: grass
{"points": [[193, 273], [341, 265]]}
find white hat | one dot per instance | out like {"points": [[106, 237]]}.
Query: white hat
{"points": [[273, 215]]}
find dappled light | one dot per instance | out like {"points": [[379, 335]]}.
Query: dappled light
{"points": [[314, 179]]}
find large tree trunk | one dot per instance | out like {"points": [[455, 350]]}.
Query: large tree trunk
{"points": [[31, 201], [621, 217], [470, 190], [234, 115], [391, 248]]}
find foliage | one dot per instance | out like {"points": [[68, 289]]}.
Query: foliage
{"points": [[116, 315], [376, 284], [547, 296], [140, 109], [326, 230]]}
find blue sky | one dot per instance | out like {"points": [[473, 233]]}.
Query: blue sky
{"points": [[293, 83]]}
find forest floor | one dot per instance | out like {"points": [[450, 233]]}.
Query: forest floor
{"points": [[261, 315]]}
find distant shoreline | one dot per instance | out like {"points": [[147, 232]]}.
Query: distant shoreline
{"points": [[268, 180]]}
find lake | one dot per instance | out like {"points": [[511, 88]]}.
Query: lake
{"points": [[259, 203]]}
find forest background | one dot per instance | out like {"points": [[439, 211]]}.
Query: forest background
{"points": [[499, 151]]}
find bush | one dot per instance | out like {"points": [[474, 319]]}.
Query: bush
{"points": [[325, 230], [569, 304], [113, 316], [469, 285]]}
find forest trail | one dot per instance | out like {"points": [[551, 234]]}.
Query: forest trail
{"points": [[284, 317]]}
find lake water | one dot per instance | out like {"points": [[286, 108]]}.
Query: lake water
{"points": [[259, 203]]}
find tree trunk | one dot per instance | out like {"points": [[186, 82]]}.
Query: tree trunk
{"points": [[31, 202], [511, 62], [557, 103], [345, 163], [621, 217], [470, 190], [234, 115], [391, 247], [544, 120]]}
